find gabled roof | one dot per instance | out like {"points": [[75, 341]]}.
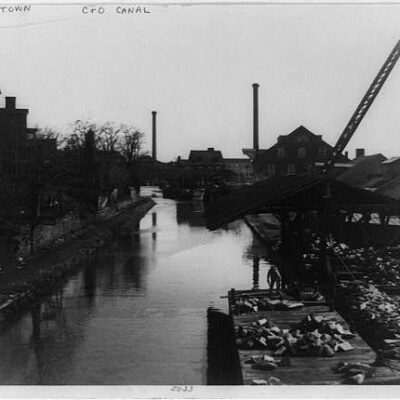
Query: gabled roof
{"points": [[293, 193], [364, 169], [390, 189], [237, 160], [391, 160], [374, 183], [205, 156], [300, 131], [368, 158]]}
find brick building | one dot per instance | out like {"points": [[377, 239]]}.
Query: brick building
{"points": [[391, 167], [210, 159], [242, 169], [24, 161], [20, 145], [295, 153], [13, 125], [210, 163]]}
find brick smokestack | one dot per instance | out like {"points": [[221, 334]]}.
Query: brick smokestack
{"points": [[360, 152], [10, 103], [255, 115], [154, 142]]}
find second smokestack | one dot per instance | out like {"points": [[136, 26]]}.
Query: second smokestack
{"points": [[154, 141], [255, 115]]}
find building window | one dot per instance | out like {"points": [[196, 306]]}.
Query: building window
{"points": [[291, 169], [301, 152], [271, 170], [301, 138], [281, 152], [322, 152]]}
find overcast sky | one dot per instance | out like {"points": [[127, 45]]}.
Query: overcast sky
{"points": [[195, 66]]}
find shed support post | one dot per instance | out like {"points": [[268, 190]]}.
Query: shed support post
{"points": [[256, 271], [327, 273]]}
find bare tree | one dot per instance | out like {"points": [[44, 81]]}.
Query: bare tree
{"points": [[47, 133], [108, 136], [76, 139], [130, 143]]}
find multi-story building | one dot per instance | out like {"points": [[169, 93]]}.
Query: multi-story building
{"points": [[299, 152], [391, 167], [242, 169], [13, 125], [375, 173], [20, 145], [206, 159], [209, 163]]}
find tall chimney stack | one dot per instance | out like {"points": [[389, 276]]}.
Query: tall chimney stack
{"points": [[10, 102], [154, 142], [360, 152], [255, 115]]}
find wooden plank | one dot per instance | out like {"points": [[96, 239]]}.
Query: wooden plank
{"points": [[265, 293], [293, 316], [308, 370]]}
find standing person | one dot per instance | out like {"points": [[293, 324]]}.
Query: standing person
{"points": [[274, 277], [283, 265]]}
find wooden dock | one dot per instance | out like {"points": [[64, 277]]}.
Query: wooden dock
{"points": [[305, 370]]}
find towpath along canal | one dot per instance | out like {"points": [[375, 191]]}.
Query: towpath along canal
{"points": [[137, 314]]}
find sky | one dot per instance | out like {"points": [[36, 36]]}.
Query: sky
{"points": [[195, 65]]}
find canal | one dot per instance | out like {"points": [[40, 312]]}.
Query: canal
{"points": [[138, 314]]}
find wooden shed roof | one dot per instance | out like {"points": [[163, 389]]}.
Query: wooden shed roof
{"points": [[294, 193]]}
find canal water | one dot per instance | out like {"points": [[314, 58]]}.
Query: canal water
{"points": [[138, 314]]}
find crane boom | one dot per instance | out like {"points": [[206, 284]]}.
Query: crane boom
{"points": [[363, 107]]}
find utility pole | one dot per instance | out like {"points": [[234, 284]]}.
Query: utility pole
{"points": [[154, 145], [154, 132]]}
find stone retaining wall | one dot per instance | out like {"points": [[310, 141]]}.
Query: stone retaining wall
{"points": [[66, 227], [45, 234], [86, 247]]}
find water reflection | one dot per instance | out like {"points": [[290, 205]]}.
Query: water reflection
{"points": [[50, 328], [7, 251], [134, 273], [261, 261], [258, 249], [123, 264], [46, 318], [36, 339], [136, 232], [90, 282], [137, 313], [190, 213], [133, 265], [36, 319], [154, 225]]}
